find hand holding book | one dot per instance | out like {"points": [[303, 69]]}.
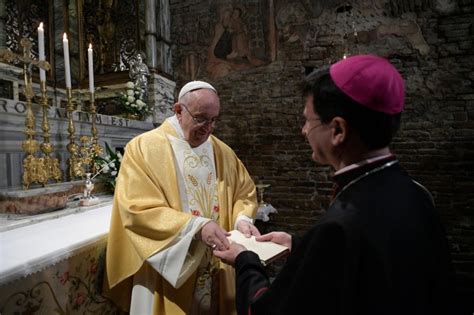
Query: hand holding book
{"points": [[267, 251]]}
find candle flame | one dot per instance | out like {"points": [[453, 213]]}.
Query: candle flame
{"points": [[90, 46], [65, 37], [40, 27]]}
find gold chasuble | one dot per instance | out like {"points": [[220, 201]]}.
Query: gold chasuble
{"points": [[150, 225]]}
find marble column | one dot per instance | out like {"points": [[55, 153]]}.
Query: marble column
{"points": [[160, 89], [164, 42], [150, 33]]}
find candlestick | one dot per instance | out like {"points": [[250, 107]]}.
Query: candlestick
{"points": [[41, 55], [51, 164], [91, 68], [67, 67], [76, 169]]}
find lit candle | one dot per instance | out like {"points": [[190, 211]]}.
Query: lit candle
{"points": [[41, 50], [90, 56], [67, 67]]}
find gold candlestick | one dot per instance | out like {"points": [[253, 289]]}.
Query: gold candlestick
{"points": [[33, 167], [75, 164], [51, 164], [97, 150]]}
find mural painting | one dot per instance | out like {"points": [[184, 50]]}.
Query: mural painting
{"points": [[242, 37]]}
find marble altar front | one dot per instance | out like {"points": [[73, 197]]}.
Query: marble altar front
{"points": [[54, 262]]}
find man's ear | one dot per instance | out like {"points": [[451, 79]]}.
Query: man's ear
{"points": [[177, 108], [339, 130]]}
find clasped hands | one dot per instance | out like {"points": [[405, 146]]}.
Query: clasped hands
{"points": [[216, 237]]}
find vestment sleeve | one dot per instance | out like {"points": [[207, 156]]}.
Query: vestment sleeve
{"points": [[245, 195]]}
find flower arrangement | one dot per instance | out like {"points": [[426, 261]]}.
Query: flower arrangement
{"points": [[108, 166], [132, 103]]}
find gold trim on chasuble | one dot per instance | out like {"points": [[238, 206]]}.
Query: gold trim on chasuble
{"points": [[201, 184], [199, 174]]}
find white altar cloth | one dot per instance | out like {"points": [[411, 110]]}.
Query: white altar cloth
{"points": [[29, 249]]}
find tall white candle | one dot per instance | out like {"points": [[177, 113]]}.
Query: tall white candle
{"points": [[90, 56], [67, 67], [41, 50]]}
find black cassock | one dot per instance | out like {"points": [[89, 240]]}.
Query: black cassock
{"points": [[379, 249]]}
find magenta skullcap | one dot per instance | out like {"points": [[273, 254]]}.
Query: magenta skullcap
{"points": [[193, 86], [371, 81]]}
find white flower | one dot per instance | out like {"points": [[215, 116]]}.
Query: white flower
{"points": [[106, 168], [113, 173], [119, 155], [112, 164], [130, 85], [130, 92], [140, 103], [131, 99]]}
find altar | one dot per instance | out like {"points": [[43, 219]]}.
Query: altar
{"points": [[54, 262]]}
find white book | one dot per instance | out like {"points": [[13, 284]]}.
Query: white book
{"points": [[266, 251]]}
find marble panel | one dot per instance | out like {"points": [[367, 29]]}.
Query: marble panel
{"points": [[161, 93], [116, 131]]}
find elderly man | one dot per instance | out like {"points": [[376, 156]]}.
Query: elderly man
{"points": [[179, 191], [379, 248]]}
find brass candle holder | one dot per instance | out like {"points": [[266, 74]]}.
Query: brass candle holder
{"points": [[34, 170], [76, 167], [33, 166], [97, 150], [51, 164]]}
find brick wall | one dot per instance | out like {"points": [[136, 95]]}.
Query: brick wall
{"points": [[430, 42]]}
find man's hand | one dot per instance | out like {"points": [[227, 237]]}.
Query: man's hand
{"points": [[247, 228], [281, 238], [228, 256], [214, 236]]}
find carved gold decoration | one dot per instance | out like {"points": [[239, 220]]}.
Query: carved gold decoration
{"points": [[85, 151], [76, 167], [34, 170], [51, 164]]}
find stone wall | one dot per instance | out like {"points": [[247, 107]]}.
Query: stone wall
{"points": [[430, 42]]}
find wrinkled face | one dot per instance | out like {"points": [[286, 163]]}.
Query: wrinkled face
{"points": [[316, 133], [197, 113]]}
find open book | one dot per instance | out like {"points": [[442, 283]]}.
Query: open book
{"points": [[266, 251]]}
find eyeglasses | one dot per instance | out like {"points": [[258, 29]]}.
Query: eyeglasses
{"points": [[306, 123], [200, 120]]}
